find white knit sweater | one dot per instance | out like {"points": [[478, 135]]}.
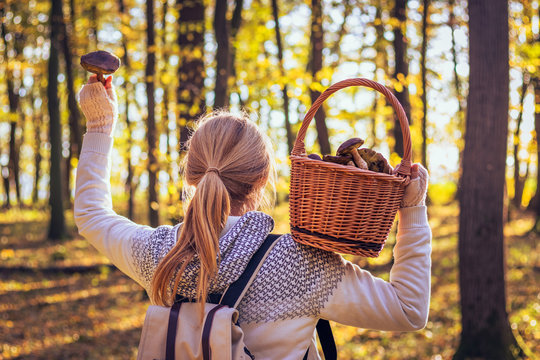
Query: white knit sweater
{"points": [[296, 285]]}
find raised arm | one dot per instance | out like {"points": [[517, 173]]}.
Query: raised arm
{"points": [[110, 233], [402, 303]]}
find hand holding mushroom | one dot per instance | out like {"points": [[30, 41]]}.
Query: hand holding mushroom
{"points": [[100, 63], [98, 98]]}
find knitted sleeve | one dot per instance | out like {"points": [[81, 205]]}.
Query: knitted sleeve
{"points": [[110, 233]]}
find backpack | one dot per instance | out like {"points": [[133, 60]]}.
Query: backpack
{"points": [[219, 333], [176, 332]]}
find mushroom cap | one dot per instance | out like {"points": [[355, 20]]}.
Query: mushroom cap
{"points": [[349, 145], [100, 62], [314, 156], [375, 161], [367, 154], [341, 159]]}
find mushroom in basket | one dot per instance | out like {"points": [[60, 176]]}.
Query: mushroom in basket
{"points": [[340, 159], [349, 153], [375, 161], [350, 147]]}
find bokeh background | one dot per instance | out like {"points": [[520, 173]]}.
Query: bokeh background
{"points": [[59, 298]]}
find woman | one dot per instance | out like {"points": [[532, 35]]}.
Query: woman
{"points": [[229, 163]]}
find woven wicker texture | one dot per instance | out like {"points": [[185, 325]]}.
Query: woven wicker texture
{"points": [[341, 208]]}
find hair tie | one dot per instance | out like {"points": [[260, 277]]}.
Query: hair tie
{"points": [[213, 169]]}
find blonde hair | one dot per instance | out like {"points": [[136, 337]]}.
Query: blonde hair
{"points": [[229, 163]]}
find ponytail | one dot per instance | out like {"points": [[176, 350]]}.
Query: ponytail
{"points": [[205, 218], [229, 161]]}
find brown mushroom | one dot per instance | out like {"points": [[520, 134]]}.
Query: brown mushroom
{"points": [[343, 159], [100, 63], [350, 147], [314, 156], [375, 161], [360, 163]]}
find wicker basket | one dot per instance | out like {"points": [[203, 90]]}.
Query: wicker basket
{"points": [[341, 208]]}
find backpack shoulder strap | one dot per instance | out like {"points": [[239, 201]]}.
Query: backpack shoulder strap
{"points": [[237, 289], [326, 338]]}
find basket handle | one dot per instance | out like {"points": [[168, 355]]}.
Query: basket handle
{"points": [[299, 148]]}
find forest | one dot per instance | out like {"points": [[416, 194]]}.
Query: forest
{"points": [[467, 74]]}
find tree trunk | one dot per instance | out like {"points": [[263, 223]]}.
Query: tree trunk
{"points": [[14, 147], [534, 204], [236, 20], [458, 87], [223, 66], [401, 70], [381, 59], [93, 43], [129, 186], [457, 82], [381, 62], [12, 169], [165, 103], [22, 140], [37, 153], [191, 73], [373, 129], [78, 71], [424, 82], [74, 115], [165, 119], [288, 129], [518, 180], [57, 228], [5, 183], [486, 333], [72, 14], [153, 204], [317, 45], [225, 32]]}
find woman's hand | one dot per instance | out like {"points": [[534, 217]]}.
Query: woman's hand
{"points": [[99, 105], [415, 192]]}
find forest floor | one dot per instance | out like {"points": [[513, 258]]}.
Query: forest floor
{"points": [[62, 300]]}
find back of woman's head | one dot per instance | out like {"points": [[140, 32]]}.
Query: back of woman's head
{"points": [[230, 150], [228, 164]]}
